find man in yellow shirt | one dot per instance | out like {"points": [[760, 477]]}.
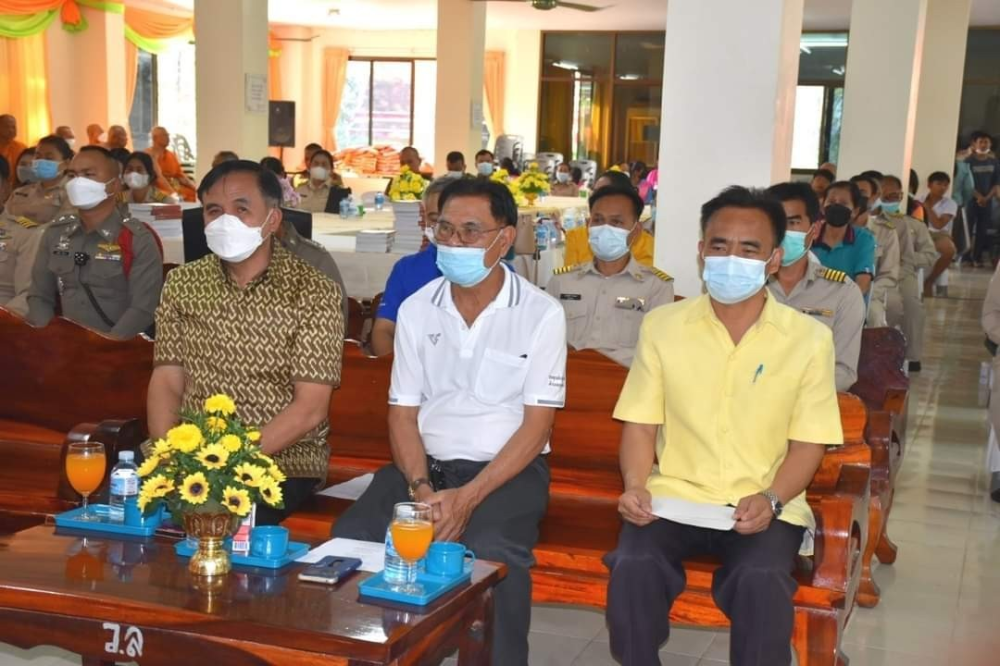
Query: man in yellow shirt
{"points": [[578, 240], [732, 396]]}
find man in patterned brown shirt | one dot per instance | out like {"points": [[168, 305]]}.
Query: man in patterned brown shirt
{"points": [[255, 322]]}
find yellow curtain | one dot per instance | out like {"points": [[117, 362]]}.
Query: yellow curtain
{"points": [[131, 73], [273, 66], [493, 84], [24, 86], [334, 76]]}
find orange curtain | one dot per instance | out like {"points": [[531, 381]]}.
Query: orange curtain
{"points": [[493, 84], [24, 86], [273, 66], [154, 25], [131, 73], [334, 76]]}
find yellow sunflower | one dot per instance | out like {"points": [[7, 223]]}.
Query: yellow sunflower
{"points": [[264, 457], [216, 424], [231, 443], [143, 501], [220, 404], [213, 456], [185, 438], [249, 475], [253, 436], [276, 473], [162, 447], [148, 465], [270, 491], [237, 501], [194, 489], [157, 486]]}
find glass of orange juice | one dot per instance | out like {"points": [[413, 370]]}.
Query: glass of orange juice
{"points": [[412, 530], [85, 464]]}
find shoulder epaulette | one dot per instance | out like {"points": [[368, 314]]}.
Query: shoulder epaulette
{"points": [[63, 219], [834, 275], [27, 223], [566, 269], [660, 274]]}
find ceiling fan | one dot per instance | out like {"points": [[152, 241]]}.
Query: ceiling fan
{"points": [[552, 4]]}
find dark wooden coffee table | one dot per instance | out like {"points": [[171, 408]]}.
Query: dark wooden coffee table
{"points": [[112, 600]]}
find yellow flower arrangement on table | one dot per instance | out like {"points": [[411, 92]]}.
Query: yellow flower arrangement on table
{"points": [[210, 463], [533, 183], [503, 177], [407, 186]]}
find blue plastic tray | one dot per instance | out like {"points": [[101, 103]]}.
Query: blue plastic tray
{"points": [[434, 586], [296, 549], [71, 519]]}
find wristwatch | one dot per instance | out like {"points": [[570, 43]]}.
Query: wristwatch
{"points": [[776, 506], [415, 486]]}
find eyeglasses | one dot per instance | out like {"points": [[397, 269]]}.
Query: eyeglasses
{"points": [[469, 234]]}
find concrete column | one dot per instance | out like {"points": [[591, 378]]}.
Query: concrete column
{"points": [[461, 42], [880, 91], [231, 42], [940, 97], [727, 115], [86, 73]]}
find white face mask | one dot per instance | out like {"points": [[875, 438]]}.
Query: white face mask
{"points": [[455, 174], [136, 180], [231, 240], [85, 193], [319, 173], [71, 142], [562, 176]]}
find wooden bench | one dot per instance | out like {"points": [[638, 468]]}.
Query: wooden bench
{"points": [[884, 388], [582, 521]]}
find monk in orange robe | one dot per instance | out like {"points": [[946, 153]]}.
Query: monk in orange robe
{"points": [[170, 178]]}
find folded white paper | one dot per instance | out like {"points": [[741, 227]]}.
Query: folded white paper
{"points": [[371, 553], [350, 490], [711, 516]]}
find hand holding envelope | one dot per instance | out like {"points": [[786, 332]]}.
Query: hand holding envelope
{"points": [[712, 516]]}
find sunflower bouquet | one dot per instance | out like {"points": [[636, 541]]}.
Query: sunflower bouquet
{"points": [[533, 182], [209, 463], [503, 177], [407, 186]]}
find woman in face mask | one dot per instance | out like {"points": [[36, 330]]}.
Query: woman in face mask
{"points": [[564, 185], [315, 192], [23, 173], [138, 177], [44, 199]]}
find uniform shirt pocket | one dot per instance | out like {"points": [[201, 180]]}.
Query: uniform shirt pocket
{"points": [[501, 377]]}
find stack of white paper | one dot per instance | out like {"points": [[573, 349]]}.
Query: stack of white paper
{"points": [[371, 553], [374, 240], [409, 235]]}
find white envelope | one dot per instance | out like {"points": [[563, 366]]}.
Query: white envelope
{"points": [[697, 514]]}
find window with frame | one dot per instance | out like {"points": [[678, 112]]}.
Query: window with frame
{"points": [[389, 101]]}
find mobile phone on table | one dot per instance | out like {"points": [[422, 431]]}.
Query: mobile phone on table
{"points": [[330, 570]]}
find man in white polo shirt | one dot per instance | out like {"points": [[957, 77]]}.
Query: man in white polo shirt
{"points": [[479, 370]]}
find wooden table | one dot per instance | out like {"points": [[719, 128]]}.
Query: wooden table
{"points": [[108, 599]]}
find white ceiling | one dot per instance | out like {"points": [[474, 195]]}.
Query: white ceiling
{"points": [[619, 15]]}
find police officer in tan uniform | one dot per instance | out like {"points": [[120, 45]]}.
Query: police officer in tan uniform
{"points": [[887, 254], [905, 309], [19, 239], [313, 254], [803, 283], [606, 299], [45, 199], [315, 192], [105, 268]]}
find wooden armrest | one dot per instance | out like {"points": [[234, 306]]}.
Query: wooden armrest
{"points": [[116, 436], [841, 529]]}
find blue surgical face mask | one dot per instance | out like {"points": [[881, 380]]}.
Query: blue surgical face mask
{"points": [[485, 168], [26, 174], [794, 246], [45, 169], [464, 266], [608, 243], [891, 207], [731, 279]]}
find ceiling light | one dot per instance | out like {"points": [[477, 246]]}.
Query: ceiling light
{"points": [[629, 77], [562, 64]]}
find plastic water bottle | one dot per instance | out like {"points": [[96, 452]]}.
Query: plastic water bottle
{"points": [[397, 571], [124, 484], [379, 201], [345, 208], [541, 236]]}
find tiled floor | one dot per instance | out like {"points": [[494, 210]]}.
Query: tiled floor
{"points": [[939, 598]]}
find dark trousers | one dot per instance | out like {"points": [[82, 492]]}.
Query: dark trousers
{"points": [[979, 223], [504, 528], [754, 588], [294, 492]]}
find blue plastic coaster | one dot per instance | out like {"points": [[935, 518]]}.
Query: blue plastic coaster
{"points": [[296, 549], [71, 519], [434, 586]]}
